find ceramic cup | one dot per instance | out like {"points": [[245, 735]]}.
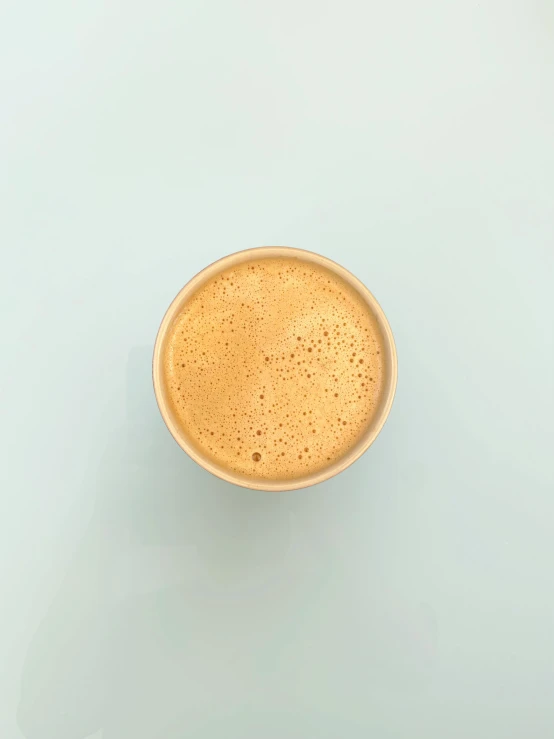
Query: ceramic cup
{"points": [[377, 421]]}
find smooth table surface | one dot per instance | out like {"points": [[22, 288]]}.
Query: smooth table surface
{"points": [[412, 596]]}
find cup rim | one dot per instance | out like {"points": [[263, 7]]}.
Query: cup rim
{"points": [[359, 448]]}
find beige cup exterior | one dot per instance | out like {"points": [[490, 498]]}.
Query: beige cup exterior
{"points": [[366, 439]]}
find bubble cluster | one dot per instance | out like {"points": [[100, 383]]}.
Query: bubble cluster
{"points": [[274, 368]]}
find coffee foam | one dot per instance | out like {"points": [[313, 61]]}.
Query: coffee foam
{"points": [[274, 368]]}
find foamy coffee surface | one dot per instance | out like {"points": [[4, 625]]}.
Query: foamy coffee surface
{"points": [[274, 368]]}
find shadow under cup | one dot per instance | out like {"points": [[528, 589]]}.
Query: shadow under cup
{"points": [[367, 436]]}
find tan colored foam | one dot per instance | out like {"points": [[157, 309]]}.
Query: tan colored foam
{"points": [[274, 368]]}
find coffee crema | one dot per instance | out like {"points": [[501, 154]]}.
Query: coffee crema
{"points": [[273, 368]]}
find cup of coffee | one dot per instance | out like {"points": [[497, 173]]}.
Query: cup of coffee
{"points": [[274, 368]]}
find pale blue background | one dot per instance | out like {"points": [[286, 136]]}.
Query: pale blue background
{"points": [[412, 597]]}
